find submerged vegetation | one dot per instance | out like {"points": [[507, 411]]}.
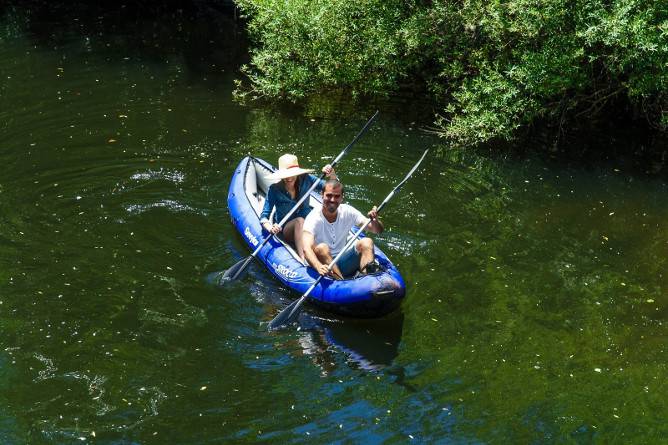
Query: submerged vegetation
{"points": [[491, 68]]}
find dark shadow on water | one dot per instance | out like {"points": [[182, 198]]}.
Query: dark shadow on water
{"points": [[368, 344], [607, 140], [209, 35]]}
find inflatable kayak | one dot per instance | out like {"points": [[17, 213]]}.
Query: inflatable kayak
{"points": [[364, 296]]}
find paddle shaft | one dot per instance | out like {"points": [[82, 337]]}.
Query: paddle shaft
{"points": [[304, 197], [296, 306], [315, 183], [293, 309]]}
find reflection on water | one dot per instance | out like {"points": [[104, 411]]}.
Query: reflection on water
{"points": [[370, 345]]}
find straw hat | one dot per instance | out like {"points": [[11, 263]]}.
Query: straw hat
{"points": [[288, 166]]}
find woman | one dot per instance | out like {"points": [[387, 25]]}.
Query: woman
{"points": [[294, 183]]}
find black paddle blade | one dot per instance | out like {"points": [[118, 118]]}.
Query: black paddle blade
{"points": [[287, 316], [235, 271]]}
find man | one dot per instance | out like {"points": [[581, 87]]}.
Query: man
{"points": [[326, 231]]}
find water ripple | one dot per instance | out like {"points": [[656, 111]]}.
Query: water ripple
{"points": [[169, 204]]}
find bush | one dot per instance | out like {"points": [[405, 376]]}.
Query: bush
{"points": [[492, 66]]}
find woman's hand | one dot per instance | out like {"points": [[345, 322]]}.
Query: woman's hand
{"points": [[272, 228], [328, 170]]}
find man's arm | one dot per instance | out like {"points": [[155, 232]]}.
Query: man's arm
{"points": [[309, 243], [376, 225]]}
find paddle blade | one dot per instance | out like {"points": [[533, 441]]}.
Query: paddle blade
{"points": [[288, 315], [235, 271]]}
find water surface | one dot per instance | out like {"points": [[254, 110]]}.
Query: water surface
{"points": [[536, 289]]}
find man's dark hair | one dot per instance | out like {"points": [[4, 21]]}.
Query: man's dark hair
{"points": [[334, 183]]}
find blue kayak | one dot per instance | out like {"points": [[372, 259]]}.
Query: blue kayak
{"points": [[364, 296]]}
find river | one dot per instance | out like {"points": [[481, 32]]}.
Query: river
{"points": [[535, 290]]}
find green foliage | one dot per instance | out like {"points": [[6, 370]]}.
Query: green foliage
{"points": [[492, 66], [319, 45]]}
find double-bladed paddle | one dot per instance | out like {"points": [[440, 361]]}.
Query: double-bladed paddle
{"points": [[291, 312], [233, 272]]}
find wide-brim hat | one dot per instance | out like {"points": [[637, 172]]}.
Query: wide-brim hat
{"points": [[288, 166]]}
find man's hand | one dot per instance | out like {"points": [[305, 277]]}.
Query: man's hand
{"points": [[375, 226], [322, 269]]}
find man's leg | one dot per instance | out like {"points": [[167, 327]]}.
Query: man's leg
{"points": [[365, 249], [324, 256], [349, 263]]}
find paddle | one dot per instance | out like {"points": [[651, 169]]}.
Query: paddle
{"points": [[233, 272], [290, 313]]}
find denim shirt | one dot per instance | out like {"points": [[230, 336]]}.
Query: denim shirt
{"points": [[279, 197]]}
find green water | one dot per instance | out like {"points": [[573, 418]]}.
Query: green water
{"points": [[536, 291]]}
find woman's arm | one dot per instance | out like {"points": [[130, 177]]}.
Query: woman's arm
{"points": [[266, 212], [268, 205]]}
